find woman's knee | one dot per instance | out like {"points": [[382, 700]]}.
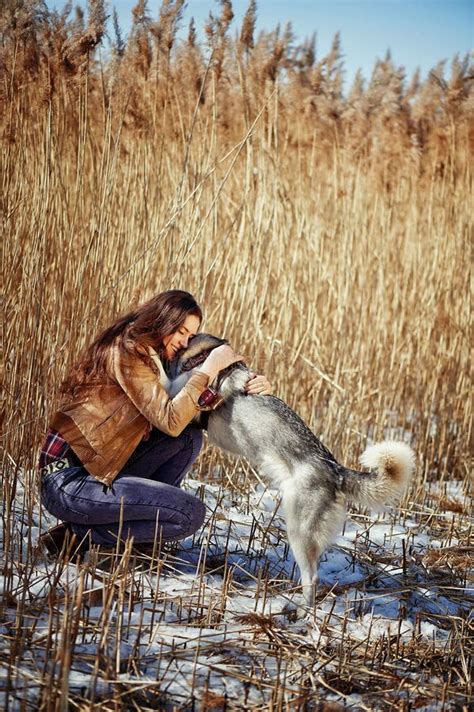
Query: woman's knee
{"points": [[194, 512], [199, 514]]}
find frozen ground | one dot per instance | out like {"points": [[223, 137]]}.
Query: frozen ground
{"points": [[219, 623]]}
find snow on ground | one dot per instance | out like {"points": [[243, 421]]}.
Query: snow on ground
{"points": [[219, 616]]}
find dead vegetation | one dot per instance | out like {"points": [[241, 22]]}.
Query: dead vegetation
{"points": [[327, 236]]}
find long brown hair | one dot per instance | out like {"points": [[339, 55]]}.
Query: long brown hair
{"points": [[147, 325]]}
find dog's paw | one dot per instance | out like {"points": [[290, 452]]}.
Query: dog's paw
{"points": [[292, 611], [297, 609]]}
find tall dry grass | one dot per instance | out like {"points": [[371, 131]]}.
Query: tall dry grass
{"points": [[327, 236]]}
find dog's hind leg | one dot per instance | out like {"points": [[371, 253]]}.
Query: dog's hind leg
{"points": [[302, 539], [312, 523], [306, 554]]}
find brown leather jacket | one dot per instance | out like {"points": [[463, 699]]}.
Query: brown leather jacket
{"points": [[105, 422]]}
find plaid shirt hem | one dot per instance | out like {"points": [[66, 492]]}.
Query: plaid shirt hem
{"points": [[54, 448]]}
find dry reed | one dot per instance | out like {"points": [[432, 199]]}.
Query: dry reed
{"points": [[327, 237]]}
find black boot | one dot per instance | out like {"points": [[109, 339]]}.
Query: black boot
{"points": [[61, 540]]}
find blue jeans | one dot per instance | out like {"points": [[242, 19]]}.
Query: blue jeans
{"points": [[145, 495]]}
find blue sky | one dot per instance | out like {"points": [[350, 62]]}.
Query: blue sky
{"points": [[418, 32]]}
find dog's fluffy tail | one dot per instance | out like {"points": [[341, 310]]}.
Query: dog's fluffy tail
{"points": [[394, 464]]}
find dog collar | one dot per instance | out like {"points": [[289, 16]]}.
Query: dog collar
{"points": [[209, 399]]}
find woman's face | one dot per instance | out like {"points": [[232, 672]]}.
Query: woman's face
{"points": [[179, 339]]}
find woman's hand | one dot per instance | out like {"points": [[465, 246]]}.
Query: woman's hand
{"points": [[219, 359], [258, 385]]}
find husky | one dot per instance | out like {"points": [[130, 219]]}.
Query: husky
{"points": [[314, 487]]}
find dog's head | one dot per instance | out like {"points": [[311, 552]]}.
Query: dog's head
{"points": [[196, 352]]}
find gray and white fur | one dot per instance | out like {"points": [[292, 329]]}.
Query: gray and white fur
{"points": [[315, 488]]}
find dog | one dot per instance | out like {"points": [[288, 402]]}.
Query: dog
{"points": [[314, 487]]}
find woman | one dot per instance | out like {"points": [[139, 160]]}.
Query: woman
{"points": [[118, 447]]}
